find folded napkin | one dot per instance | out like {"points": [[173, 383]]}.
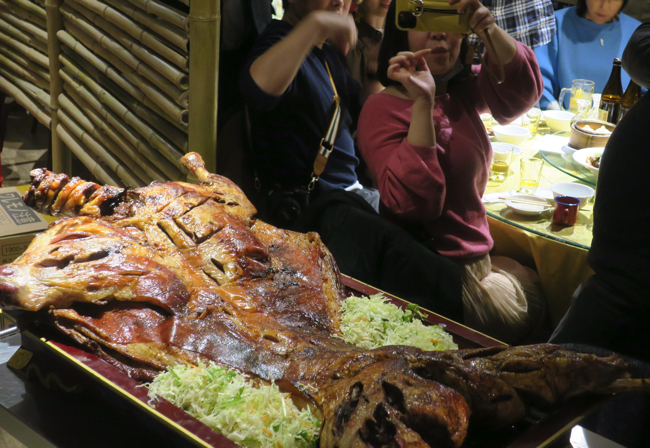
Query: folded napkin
{"points": [[551, 143]]}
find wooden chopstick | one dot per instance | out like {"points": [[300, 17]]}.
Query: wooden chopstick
{"points": [[525, 201]]}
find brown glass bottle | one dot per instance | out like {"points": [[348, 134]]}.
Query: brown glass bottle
{"points": [[612, 93], [630, 97]]}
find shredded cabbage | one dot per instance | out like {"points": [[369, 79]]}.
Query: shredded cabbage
{"points": [[226, 401], [372, 322], [258, 415]]}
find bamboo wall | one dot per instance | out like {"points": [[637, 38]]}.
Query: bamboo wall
{"points": [[114, 81], [24, 62]]}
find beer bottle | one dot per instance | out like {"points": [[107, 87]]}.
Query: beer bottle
{"points": [[610, 100], [630, 97]]}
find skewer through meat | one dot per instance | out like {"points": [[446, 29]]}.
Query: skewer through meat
{"points": [[181, 273]]}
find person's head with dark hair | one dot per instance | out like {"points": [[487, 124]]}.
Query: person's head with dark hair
{"points": [[447, 50], [600, 11], [296, 10]]}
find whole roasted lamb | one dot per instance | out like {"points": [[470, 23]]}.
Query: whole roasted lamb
{"points": [[180, 273]]}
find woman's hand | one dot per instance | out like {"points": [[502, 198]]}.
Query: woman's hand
{"points": [[482, 22], [481, 19], [411, 70]]}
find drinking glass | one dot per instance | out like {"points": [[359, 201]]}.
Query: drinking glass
{"points": [[581, 93], [531, 119], [530, 172], [501, 159], [487, 120]]}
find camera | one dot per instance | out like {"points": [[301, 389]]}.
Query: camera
{"points": [[285, 206], [428, 15]]}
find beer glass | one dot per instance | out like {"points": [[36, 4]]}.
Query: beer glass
{"points": [[581, 93]]}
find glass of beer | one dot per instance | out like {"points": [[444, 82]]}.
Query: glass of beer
{"points": [[581, 92], [501, 158], [530, 172], [532, 118]]}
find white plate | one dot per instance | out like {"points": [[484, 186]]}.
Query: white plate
{"points": [[580, 157], [528, 209]]}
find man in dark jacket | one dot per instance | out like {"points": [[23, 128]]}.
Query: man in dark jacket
{"points": [[612, 308]]}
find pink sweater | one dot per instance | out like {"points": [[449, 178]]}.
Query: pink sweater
{"points": [[441, 186]]}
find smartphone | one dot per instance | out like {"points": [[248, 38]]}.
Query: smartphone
{"points": [[429, 15]]}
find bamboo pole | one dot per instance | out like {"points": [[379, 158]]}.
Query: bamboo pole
{"points": [[20, 12], [32, 90], [24, 25], [78, 60], [24, 73], [172, 15], [173, 135], [99, 13], [61, 156], [31, 7], [178, 38], [102, 173], [158, 142], [82, 56], [25, 101], [31, 53], [113, 52], [112, 140], [205, 22], [112, 32], [25, 62], [155, 166], [113, 163], [143, 82], [141, 90], [22, 36]]}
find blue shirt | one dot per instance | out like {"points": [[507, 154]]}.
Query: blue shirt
{"points": [[582, 49], [287, 129]]}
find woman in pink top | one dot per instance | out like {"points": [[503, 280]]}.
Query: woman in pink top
{"points": [[427, 149]]}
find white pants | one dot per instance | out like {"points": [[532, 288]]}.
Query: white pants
{"points": [[502, 298]]}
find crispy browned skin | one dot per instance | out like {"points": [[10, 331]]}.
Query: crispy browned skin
{"points": [[176, 273]]}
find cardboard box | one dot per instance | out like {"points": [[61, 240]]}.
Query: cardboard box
{"points": [[18, 224]]}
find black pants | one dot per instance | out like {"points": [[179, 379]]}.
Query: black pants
{"points": [[375, 251], [602, 317]]}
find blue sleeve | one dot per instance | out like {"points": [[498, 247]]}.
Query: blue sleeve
{"points": [[255, 97], [547, 58]]}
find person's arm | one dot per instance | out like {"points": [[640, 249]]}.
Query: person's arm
{"points": [[409, 177], [274, 70], [547, 60], [482, 22], [411, 70]]}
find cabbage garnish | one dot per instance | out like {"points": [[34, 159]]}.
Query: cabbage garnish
{"points": [[373, 322], [251, 415], [257, 415]]}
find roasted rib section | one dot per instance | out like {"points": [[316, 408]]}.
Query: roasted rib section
{"points": [[180, 273]]}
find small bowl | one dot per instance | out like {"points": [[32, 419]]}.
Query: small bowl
{"points": [[581, 138], [511, 134], [558, 120], [573, 189]]}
